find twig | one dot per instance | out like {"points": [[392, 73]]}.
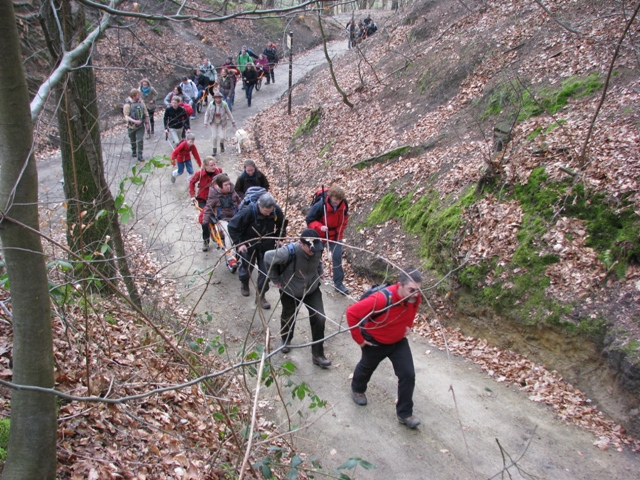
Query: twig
{"points": [[583, 153], [255, 407]]}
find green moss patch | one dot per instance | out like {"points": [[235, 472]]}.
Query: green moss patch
{"points": [[309, 123], [437, 222], [5, 425], [530, 102], [613, 231]]}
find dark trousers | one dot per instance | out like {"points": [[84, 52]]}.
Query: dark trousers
{"points": [[400, 355], [313, 302], [206, 233], [151, 120], [250, 258], [136, 137]]}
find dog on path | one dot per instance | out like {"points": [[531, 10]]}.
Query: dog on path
{"points": [[243, 141]]}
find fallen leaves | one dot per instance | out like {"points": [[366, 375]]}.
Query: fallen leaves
{"points": [[567, 402]]}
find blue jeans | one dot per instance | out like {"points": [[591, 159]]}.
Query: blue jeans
{"points": [[182, 166], [400, 355], [230, 99], [249, 91], [335, 248]]}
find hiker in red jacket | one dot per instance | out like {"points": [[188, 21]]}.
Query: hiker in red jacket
{"points": [[199, 185], [380, 324], [329, 216], [182, 155]]}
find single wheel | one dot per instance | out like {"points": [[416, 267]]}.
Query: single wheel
{"points": [[199, 106], [259, 84], [232, 264]]}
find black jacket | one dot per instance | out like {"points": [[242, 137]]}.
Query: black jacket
{"points": [[245, 181], [176, 118], [272, 55], [250, 76], [201, 81], [249, 224]]}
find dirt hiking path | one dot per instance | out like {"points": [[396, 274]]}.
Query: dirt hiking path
{"points": [[459, 434]]}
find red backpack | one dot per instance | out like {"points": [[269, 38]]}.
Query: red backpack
{"points": [[188, 108], [321, 194]]}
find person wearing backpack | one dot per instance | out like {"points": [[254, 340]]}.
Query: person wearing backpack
{"points": [[271, 53], [380, 324], [329, 216], [227, 83], [175, 120], [216, 116], [191, 90], [222, 205], [209, 70], [250, 177], [296, 270], [254, 230], [137, 117]]}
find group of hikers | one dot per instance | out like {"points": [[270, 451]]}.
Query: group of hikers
{"points": [[253, 230], [185, 100], [357, 33]]}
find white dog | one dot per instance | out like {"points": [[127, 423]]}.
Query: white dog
{"points": [[243, 141]]}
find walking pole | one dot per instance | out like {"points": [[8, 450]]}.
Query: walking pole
{"points": [[326, 233]]}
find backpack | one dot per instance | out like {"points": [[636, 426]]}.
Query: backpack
{"points": [[226, 201], [136, 111], [187, 108], [387, 295], [252, 195], [280, 268], [320, 194]]}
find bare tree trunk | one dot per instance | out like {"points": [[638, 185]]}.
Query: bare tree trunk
{"points": [[86, 188], [345, 97], [32, 439]]}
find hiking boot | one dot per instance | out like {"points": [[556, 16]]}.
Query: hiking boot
{"points": [[285, 347], [134, 154], [205, 246], [173, 178], [264, 304], [221, 147], [140, 158], [342, 289], [321, 361], [359, 398], [411, 422], [244, 289], [215, 152]]}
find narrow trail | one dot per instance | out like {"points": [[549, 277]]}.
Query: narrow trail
{"points": [[459, 433]]}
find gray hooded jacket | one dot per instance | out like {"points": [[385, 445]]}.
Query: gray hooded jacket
{"points": [[301, 275]]}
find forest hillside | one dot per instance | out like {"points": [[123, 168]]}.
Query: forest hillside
{"points": [[497, 145]]}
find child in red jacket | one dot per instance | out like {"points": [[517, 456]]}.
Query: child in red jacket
{"points": [[182, 155]]}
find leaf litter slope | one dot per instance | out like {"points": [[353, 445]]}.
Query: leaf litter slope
{"points": [[351, 431], [486, 410]]}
